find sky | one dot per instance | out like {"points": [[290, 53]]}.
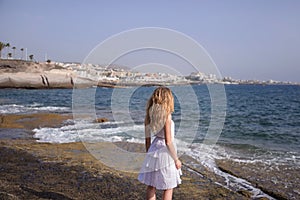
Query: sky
{"points": [[247, 39]]}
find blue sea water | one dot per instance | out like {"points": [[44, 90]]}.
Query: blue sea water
{"points": [[261, 123]]}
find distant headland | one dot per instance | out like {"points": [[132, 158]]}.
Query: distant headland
{"points": [[16, 73]]}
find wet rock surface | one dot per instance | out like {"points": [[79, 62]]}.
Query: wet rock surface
{"points": [[34, 170], [279, 181], [31, 121], [31, 170]]}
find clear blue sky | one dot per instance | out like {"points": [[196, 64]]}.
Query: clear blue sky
{"points": [[254, 39]]}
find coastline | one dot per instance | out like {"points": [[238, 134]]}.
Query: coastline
{"points": [[33, 75], [68, 170], [32, 170]]}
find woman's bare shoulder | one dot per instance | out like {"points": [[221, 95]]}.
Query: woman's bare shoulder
{"points": [[169, 117]]}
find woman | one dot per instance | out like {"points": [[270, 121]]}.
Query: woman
{"points": [[161, 168]]}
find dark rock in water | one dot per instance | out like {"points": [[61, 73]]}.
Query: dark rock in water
{"points": [[101, 120]]}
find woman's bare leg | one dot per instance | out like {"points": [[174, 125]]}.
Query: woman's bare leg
{"points": [[151, 193], [168, 194]]}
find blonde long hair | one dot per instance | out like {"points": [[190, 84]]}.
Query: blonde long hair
{"points": [[159, 106]]}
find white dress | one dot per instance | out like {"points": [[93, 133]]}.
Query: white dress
{"points": [[158, 169]]}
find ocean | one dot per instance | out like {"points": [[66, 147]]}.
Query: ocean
{"points": [[262, 122]]}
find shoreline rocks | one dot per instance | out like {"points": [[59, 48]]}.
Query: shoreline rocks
{"points": [[33, 170], [25, 160], [279, 181], [101, 120], [29, 122], [31, 75], [44, 80]]}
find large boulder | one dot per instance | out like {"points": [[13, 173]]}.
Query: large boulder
{"points": [[27, 74], [43, 80]]}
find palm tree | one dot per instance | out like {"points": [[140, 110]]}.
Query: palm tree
{"points": [[2, 46], [9, 55], [7, 45], [14, 51], [31, 57], [22, 49]]}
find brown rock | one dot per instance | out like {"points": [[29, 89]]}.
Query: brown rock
{"points": [[7, 196], [245, 193], [31, 121], [101, 120]]}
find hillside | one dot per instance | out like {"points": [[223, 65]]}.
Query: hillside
{"points": [[13, 66]]}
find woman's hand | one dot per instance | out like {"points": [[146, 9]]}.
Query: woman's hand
{"points": [[178, 164]]}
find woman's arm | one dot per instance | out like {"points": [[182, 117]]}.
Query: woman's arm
{"points": [[147, 137], [169, 142]]}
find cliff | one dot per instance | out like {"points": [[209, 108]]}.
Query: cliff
{"points": [[27, 74]]}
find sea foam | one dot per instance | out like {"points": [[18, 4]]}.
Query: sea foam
{"points": [[30, 108]]}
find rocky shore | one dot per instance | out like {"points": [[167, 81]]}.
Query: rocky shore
{"points": [[35, 170], [279, 181]]}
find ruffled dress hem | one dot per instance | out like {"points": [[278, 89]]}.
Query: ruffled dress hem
{"points": [[158, 169]]}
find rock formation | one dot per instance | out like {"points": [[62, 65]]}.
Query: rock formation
{"points": [[25, 74]]}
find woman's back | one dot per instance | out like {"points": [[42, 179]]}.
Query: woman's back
{"points": [[161, 133]]}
